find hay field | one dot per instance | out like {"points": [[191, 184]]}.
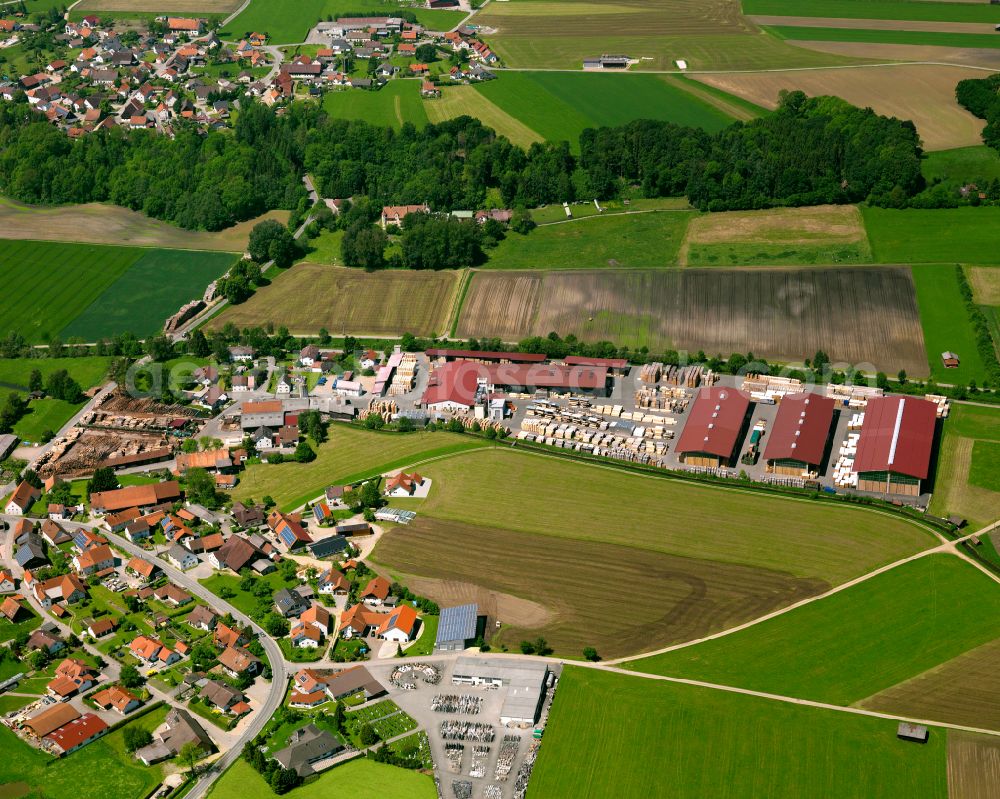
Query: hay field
{"points": [[111, 224], [669, 599], [965, 690], [953, 489], [973, 766], [922, 93], [308, 297], [456, 101], [611, 735], [856, 643], [960, 56], [539, 495], [167, 7], [937, 236], [985, 282], [860, 315]]}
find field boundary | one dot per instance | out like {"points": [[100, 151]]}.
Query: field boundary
{"points": [[458, 301]]}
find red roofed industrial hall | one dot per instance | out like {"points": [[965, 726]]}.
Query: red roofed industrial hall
{"points": [[714, 428], [797, 444], [894, 451]]}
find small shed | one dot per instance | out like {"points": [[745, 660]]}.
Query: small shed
{"points": [[950, 360], [912, 732]]}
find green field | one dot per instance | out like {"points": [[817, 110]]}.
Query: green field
{"points": [[955, 168], [939, 235], [954, 492], [44, 415], [288, 21], [397, 102], [946, 324], [645, 738], [926, 10], [152, 289], [349, 455], [89, 371], [985, 471], [358, 779], [777, 254], [559, 105], [853, 644], [646, 240], [26, 771], [928, 38]]}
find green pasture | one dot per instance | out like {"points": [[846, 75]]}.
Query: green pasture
{"points": [[985, 471], [936, 235], [850, 645], [777, 254], [925, 10], [44, 415], [394, 104], [963, 165], [931, 38], [15, 373]]}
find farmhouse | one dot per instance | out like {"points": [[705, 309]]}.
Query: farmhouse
{"points": [[22, 499], [67, 588], [184, 24], [395, 214], [798, 440], [404, 484], [141, 497], [525, 682], [288, 530], [894, 451], [94, 560], [714, 428]]}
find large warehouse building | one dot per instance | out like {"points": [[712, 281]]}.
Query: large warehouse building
{"points": [[715, 428], [894, 451], [523, 679], [798, 441]]}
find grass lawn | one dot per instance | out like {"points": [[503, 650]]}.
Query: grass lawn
{"points": [[946, 324], [44, 415], [647, 240], [74, 776], [939, 235], [397, 102], [9, 703], [851, 645], [89, 371], [424, 645], [653, 739], [245, 601], [955, 168], [926, 38], [876, 9], [350, 454], [985, 471], [325, 248], [954, 489], [28, 621], [359, 779]]}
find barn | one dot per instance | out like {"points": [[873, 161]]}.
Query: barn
{"points": [[715, 428], [798, 441], [894, 451]]}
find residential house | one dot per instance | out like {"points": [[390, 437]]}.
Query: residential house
{"points": [[236, 661], [306, 746], [24, 496], [44, 640], [153, 652], [403, 484], [67, 588], [289, 602], [179, 728], [203, 618], [7, 585], [182, 558], [171, 594], [220, 696], [376, 592], [395, 214], [400, 625], [73, 676], [288, 530], [100, 627], [333, 583], [116, 698], [138, 530], [94, 560], [235, 554], [54, 534], [353, 681], [225, 637]]}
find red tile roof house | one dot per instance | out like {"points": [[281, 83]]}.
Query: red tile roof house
{"points": [[225, 637], [94, 561], [24, 496], [100, 628], [152, 652], [377, 591], [399, 625], [237, 661], [395, 214], [67, 588], [403, 484], [114, 697], [333, 583], [76, 734], [311, 627], [145, 496], [288, 530], [72, 677]]}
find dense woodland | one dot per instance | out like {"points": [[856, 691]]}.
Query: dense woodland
{"points": [[981, 97], [817, 150]]}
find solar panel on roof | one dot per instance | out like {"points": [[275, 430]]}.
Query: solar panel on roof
{"points": [[458, 623]]}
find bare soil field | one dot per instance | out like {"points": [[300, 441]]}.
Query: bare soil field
{"points": [[922, 93], [836, 224], [170, 6], [959, 56], [874, 24], [860, 315], [965, 690], [973, 766], [985, 281], [96, 223], [308, 297], [615, 598], [510, 609]]}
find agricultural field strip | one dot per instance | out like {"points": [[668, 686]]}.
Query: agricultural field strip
{"points": [[875, 24]]}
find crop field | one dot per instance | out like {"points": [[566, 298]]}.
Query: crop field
{"points": [[643, 240], [973, 766], [922, 93], [851, 645], [199, 7], [313, 296], [150, 290], [946, 324], [930, 10], [941, 235], [397, 102], [288, 21], [985, 282], [646, 738], [540, 495], [964, 690], [954, 491], [709, 35], [859, 315], [456, 101], [670, 599], [559, 105], [825, 234], [350, 454]]}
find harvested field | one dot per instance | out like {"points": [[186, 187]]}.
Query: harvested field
{"points": [[860, 315], [960, 56], [874, 24], [456, 101], [524, 613], [964, 691], [973, 766], [313, 296], [97, 223], [985, 281], [669, 599], [167, 7], [923, 93]]}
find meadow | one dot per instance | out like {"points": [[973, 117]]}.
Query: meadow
{"points": [[946, 324], [559, 105], [954, 491], [641, 240], [927, 10], [928, 38], [985, 284], [955, 168], [860, 315], [397, 102], [44, 416], [456, 101], [848, 646], [308, 297], [15, 373], [923, 93], [359, 779], [645, 738], [193, 7], [349, 455], [939, 235], [541, 495]]}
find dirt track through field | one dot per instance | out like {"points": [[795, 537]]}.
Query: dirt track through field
{"points": [[875, 24]]}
